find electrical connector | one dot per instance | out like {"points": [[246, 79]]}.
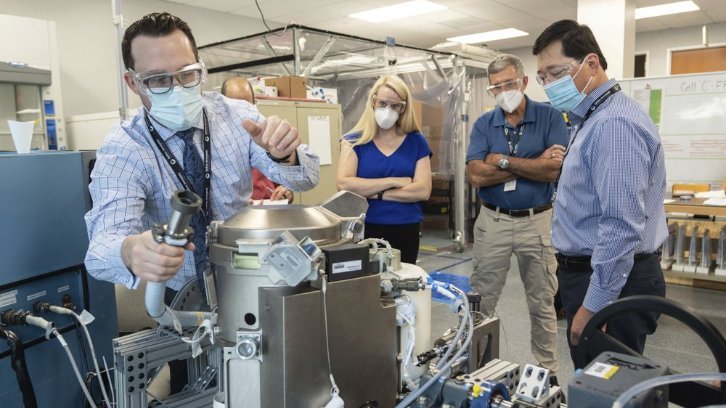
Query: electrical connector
{"points": [[429, 355], [410, 284], [13, 317], [67, 303], [41, 307], [21, 317]]}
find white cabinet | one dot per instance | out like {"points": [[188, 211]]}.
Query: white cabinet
{"points": [[319, 125]]}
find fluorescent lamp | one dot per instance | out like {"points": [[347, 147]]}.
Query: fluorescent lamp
{"points": [[398, 11], [665, 9], [488, 36]]}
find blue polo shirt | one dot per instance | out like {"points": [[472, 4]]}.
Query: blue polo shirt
{"points": [[544, 126], [372, 163]]}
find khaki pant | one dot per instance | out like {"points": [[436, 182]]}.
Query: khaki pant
{"points": [[496, 237]]}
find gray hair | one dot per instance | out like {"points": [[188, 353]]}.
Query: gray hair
{"points": [[503, 61]]}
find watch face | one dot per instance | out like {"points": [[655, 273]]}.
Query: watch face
{"points": [[503, 163]]}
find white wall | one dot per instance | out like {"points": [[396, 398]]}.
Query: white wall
{"points": [[656, 43], [87, 42]]}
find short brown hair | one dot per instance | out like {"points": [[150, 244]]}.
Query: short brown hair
{"points": [[154, 25], [577, 41]]}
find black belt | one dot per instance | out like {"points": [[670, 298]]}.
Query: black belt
{"points": [[518, 213], [583, 262]]}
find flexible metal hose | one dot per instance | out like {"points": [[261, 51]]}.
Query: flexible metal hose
{"points": [[17, 360]]}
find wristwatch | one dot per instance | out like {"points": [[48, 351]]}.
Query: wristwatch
{"points": [[278, 159], [504, 163]]}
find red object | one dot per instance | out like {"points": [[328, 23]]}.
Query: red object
{"points": [[262, 187]]}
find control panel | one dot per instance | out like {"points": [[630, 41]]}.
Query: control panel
{"points": [[65, 288]]}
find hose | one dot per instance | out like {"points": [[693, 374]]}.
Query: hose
{"points": [[447, 366], [184, 205], [460, 331], [63, 343], [165, 316], [17, 360], [63, 310], [666, 379]]}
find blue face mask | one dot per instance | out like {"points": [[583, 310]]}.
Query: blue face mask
{"points": [[178, 109], [564, 94]]}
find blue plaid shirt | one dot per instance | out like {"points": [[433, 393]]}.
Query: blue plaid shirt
{"points": [[609, 201], [132, 182]]}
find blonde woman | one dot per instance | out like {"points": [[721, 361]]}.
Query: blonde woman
{"points": [[386, 159]]}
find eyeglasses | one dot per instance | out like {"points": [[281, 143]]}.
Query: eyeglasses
{"points": [[161, 83], [555, 73], [397, 107], [506, 86]]}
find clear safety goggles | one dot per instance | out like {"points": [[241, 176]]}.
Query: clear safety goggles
{"points": [[505, 86], [555, 73], [163, 82], [397, 107]]}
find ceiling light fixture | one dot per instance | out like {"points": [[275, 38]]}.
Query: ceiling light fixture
{"points": [[666, 9], [398, 11], [488, 36]]}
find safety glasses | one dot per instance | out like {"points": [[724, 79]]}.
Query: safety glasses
{"points": [[397, 107], [505, 86], [161, 83]]}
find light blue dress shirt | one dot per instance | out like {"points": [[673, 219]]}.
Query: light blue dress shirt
{"points": [[609, 201], [132, 182]]}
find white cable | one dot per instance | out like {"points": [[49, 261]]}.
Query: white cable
{"points": [[666, 379], [75, 367], [335, 400], [446, 368], [462, 325], [375, 242], [409, 347], [400, 302], [101, 383], [108, 377]]}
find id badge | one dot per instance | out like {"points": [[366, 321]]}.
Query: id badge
{"points": [[510, 185]]}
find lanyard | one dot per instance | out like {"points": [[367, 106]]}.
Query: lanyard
{"points": [[519, 131], [599, 101], [179, 170]]}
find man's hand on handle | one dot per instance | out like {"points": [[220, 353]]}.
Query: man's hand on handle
{"points": [[150, 260]]}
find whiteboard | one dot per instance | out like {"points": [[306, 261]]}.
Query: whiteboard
{"points": [[690, 113]]}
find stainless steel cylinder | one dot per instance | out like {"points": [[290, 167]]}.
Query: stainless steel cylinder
{"points": [[240, 244]]}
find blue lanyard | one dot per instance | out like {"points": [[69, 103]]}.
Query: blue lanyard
{"points": [[519, 131]]}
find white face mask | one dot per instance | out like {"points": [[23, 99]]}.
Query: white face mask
{"points": [[509, 100], [178, 109], [386, 118]]}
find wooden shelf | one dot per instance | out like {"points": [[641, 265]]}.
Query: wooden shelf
{"points": [[695, 206], [710, 281], [701, 276]]}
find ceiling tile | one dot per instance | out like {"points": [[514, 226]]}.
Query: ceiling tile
{"points": [[533, 8], [649, 24], [461, 17]]}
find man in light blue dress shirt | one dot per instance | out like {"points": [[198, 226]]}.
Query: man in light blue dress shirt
{"points": [[132, 181], [609, 219]]}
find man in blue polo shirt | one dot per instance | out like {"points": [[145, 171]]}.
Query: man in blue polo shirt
{"points": [[515, 154]]}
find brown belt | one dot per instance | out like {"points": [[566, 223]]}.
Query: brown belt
{"points": [[518, 213]]}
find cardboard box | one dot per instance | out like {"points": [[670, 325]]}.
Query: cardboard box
{"points": [[329, 95], [289, 86], [264, 90]]}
